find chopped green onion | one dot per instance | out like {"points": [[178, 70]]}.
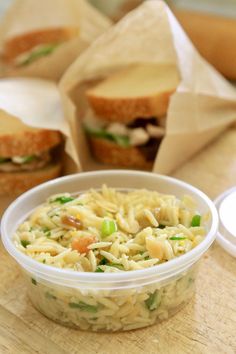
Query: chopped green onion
{"points": [[153, 301], [63, 200], [108, 227], [25, 243], [176, 238], [99, 270], [196, 220], [83, 306], [50, 296], [33, 281]]}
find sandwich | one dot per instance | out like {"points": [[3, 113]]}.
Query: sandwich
{"points": [[24, 49], [127, 111], [28, 156]]}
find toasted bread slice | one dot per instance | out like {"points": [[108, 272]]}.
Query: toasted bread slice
{"points": [[111, 153], [18, 182], [139, 91], [17, 45], [18, 139]]}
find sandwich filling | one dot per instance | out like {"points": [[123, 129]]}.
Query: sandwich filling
{"points": [[143, 133], [35, 53], [25, 163]]}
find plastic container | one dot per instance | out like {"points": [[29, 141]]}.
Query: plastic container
{"points": [[109, 301], [226, 236]]}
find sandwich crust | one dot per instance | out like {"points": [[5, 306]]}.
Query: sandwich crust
{"points": [[111, 153], [125, 110], [25, 42], [28, 142], [18, 182], [139, 91]]}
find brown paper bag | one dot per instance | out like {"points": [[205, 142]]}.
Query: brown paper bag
{"points": [[201, 108], [30, 15]]}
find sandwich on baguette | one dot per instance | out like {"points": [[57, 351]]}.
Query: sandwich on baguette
{"points": [[126, 120], [24, 49], [27, 155]]}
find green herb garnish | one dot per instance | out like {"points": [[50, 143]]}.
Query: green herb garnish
{"points": [[196, 220], [176, 238], [46, 231], [103, 261], [83, 306], [33, 281], [108, 227], [25, 243], [121, 140], [63, 200], [99, 270]]}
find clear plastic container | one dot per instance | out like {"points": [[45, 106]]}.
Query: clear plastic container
{"points": [[109, 301]]}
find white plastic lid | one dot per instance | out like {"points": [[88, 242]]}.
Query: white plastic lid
{"points": [[226, 207]]}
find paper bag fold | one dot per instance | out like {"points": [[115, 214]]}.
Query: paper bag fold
{"points": [[37, 103]]}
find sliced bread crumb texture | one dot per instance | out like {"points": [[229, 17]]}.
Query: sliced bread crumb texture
{"points": [[138, 91]]}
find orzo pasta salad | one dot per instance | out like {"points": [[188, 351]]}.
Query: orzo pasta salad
{"points": [[110, 230]]}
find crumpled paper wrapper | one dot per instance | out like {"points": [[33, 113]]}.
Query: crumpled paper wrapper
{"points": [[203, 106], [29, 15], [37, 103]]}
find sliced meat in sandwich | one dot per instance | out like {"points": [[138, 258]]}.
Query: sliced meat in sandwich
{"points": [[128, 110], [28, 156]]}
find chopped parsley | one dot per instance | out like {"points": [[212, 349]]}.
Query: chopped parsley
{"points": [[99, 270], [33, 281], [25, 243]]}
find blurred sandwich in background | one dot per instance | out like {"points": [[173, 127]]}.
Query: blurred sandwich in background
{"points": [[127, 116], [28, 156]]}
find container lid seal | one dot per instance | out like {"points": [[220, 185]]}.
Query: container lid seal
{"points": [[226, 207]]}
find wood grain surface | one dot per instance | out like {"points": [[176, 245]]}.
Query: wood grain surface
{"points": [[206, 325]]}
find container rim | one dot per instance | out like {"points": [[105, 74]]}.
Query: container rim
{"points": [[86, 277]]}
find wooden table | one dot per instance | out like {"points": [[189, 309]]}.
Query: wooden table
{"points": [[206, 325]]}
